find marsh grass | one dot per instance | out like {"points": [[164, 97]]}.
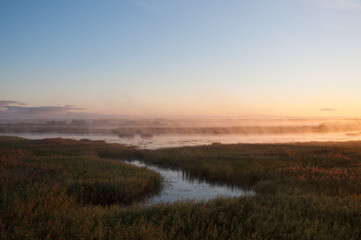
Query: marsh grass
{"points": [[57, 189], [41, 180], [333, 167]]}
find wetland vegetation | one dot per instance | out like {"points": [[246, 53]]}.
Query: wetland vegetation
{"points": [[66, 189]]}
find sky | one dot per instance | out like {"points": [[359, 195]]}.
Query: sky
{"points": [[180, 58]]}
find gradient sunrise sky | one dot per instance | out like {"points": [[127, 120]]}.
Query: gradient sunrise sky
{"points": [[182, 58]]}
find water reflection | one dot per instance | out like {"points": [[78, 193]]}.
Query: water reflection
{"points": [[178, 185]]}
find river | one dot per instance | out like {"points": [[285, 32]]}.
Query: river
{"points": [[177, 186]]}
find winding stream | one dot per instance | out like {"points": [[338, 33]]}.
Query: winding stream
{"points": [[177, 187]]}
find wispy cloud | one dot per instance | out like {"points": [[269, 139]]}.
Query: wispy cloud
{"points": [[328, 109], [14, 109], [9, 103], [43, 109]]}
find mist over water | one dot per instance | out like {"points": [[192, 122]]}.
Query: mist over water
{"points": [[160, 133], [163, 141]]}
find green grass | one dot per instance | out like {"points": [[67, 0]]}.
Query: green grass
{"points": [[336, 166], [304, 191], [74, 166]]}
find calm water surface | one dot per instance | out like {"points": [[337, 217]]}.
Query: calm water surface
{"points": [[177, 186]]}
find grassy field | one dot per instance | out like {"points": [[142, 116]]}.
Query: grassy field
{"points": [[63, 189], [329, 168]]}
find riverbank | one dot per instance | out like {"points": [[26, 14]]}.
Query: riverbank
{"points": [[304, 191]]}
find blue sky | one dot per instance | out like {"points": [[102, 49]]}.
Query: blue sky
{"points": [[167, 58]]}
